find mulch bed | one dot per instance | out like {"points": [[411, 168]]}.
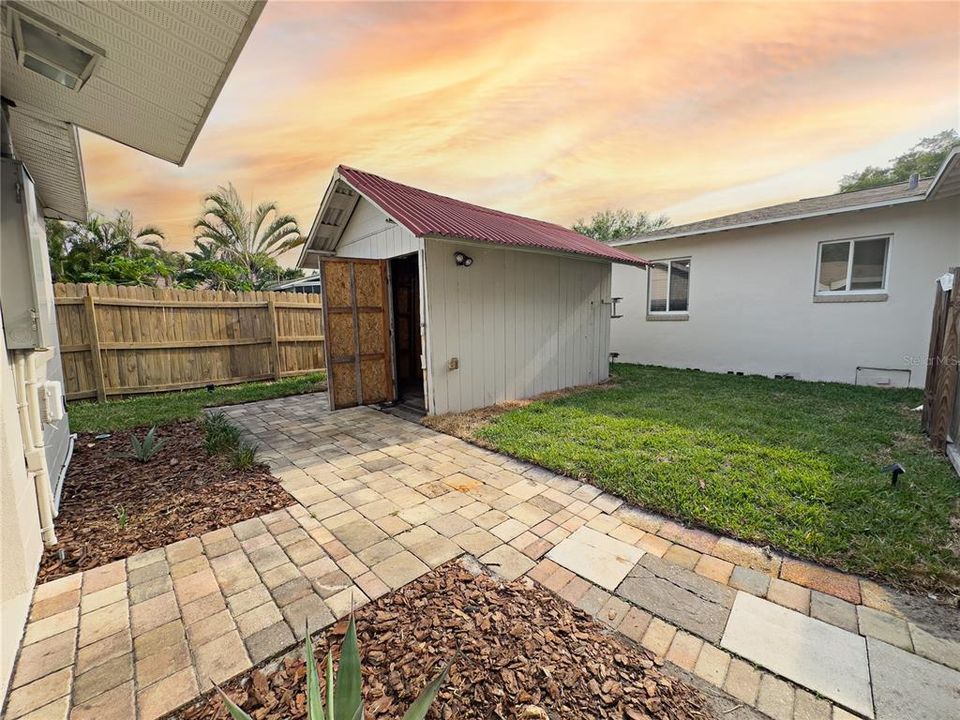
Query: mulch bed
{"points": [[525, 654], [178, 493]]}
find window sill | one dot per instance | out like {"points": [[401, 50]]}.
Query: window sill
{"points": [[851, 298], [668, 317]]}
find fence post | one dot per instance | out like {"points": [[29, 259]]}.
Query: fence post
{"points": [[274, 336], [95, 356]]}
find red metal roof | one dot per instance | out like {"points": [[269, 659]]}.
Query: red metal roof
{"points": [[427, 214]]}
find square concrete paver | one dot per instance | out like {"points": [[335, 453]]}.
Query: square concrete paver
{"points": [[908, 686], [597, 557], [818, 656], [400, 569], [507, 562]]}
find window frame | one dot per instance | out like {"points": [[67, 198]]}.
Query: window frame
{"points": [[669, 263], [852, 241]]}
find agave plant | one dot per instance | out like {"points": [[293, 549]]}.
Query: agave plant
{"points": [[344, 697], [143, 450]]}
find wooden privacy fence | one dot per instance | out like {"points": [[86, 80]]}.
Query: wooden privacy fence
{"points": [[941, 402], [117, 340]]}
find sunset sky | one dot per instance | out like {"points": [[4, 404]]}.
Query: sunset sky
{"points": [[557, 110]]}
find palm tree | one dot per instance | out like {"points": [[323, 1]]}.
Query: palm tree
{"points": [[241, 236], [129, 242]]}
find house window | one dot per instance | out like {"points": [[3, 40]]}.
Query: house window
{"points": [[852, 266], [669, 286]]}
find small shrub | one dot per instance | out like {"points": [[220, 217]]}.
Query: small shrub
{"points": [[221, 435], [244, 455], [344, 699], [143, 450]]}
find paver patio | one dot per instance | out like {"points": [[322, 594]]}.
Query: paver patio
{"points": [[382, 501]]}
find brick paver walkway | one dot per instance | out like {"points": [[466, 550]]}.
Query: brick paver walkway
{"points": [[382, 501]]}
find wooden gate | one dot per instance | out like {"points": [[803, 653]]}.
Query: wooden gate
{"points": [[941, 402], [356, 332]]}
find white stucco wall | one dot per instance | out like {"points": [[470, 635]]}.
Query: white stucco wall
{"points": [[751, 298], [519, 324]]}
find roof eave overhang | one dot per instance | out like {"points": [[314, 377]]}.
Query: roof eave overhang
{"points": [[238, 46], [775, 221], [637, 262], [946, 183]]}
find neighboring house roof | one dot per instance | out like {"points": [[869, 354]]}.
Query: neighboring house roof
{"points": [[162, 68], [426, 214], [945, 183], [310, 280]]}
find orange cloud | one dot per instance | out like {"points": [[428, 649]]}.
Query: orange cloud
{"points": [[556, 110]]}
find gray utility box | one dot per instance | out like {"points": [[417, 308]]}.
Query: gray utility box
{"points": [[24, 301]]}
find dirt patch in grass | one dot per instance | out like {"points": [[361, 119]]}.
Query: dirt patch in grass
{"points": [[465, 424], [180, 492], [520, 646]]}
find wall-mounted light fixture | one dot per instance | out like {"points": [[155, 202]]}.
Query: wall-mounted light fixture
{"points": [[462, 259], [50, 50]]}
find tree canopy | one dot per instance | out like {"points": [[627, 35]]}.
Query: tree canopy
{"points": [[924, 158], [610, 225], [233, 249]]}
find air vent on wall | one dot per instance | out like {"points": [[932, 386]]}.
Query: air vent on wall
{"points": [[50, 50]]}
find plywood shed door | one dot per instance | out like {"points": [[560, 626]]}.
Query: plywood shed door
{"points": [[356, 332]]}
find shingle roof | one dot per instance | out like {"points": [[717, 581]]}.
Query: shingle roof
{"points": [[823, 205], [427, 214]]}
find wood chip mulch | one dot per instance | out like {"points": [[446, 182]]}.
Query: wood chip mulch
{"points": [[179, 493], [525, 655]]}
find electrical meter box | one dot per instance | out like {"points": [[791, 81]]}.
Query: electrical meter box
{"points": [[26, 298]]}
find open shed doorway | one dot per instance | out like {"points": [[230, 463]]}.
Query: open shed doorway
{"points": [[407, 347]]}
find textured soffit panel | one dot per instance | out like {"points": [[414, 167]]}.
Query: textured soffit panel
{"points": [[51, 152], [165, 64]]}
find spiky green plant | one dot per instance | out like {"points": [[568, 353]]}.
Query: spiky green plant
{"points": [[344, 697], [143, 450], [244, 455], [220, 435]]}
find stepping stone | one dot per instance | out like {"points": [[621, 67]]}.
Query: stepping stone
{"points": [[908, 686], [599, 558], [811, 653], [682, 597]]}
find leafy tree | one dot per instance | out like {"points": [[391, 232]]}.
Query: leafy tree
{"points": [[144, 269], [112, 251], [610, 225], [233, 250], [243, 237], [924, 158]]}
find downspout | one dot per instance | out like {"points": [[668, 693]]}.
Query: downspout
{"points": [[31, 429]]}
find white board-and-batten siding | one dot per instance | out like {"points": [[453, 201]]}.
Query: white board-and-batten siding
{"points": [[369, 235], [518, 323]]}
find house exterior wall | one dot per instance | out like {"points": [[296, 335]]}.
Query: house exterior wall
{"points": [[21, 544], [752, 303], [519, 323], [20, 541], [369, 235]]}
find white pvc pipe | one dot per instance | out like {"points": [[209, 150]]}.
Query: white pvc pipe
{"points": [[31, 428]]}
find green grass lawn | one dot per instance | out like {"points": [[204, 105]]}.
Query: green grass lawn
{"points": [[792, 464], [183, 405]]}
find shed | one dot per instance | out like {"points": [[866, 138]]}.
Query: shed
{"points": [[448, 306]]}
